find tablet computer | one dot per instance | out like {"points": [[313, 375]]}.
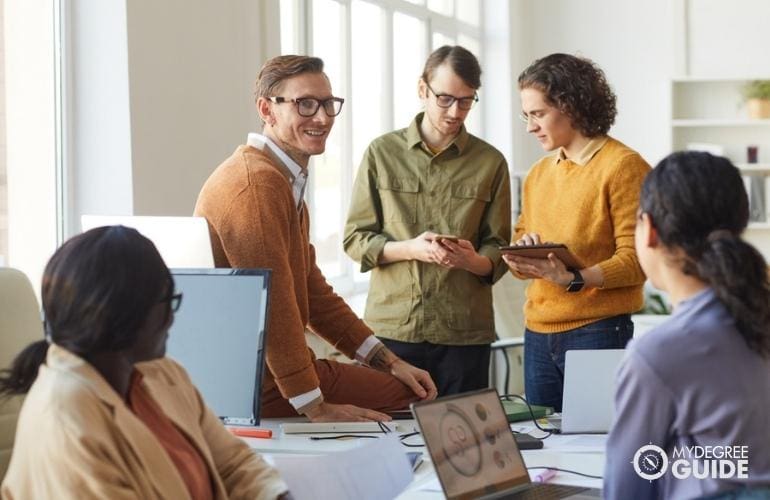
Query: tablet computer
{"points": [[541, 252]]}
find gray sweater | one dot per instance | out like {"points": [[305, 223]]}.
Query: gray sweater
{"points": [[690, 381]]}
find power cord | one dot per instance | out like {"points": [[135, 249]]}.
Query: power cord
{"points": [[549, 432], [383, 428], [568, 471]]}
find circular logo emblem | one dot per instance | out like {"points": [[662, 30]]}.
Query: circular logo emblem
{"points": [[650, 462]]}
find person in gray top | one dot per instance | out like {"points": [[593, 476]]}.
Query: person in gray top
{"points": [[693, 395]]}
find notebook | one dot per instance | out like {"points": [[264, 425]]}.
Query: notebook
{"points": [[589, 391], [182, 241], [517, 411], [218, 335], [474, 453]]}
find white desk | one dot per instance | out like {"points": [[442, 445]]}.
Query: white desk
{"points": [[582, 453]]}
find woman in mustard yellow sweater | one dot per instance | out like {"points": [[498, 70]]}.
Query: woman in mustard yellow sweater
{"points": [[585, 195]]}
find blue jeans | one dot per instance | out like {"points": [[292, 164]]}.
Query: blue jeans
{"points": [[544, 355]]}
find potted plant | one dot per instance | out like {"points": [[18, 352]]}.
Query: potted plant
{"points": [[756, 93]]}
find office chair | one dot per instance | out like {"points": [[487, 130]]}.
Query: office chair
{"points": [[20, 325]]}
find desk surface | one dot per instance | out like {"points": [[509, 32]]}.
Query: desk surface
{"points": [[580, 452]]}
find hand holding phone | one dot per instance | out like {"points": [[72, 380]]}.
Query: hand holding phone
{"points": [[441, 238]]}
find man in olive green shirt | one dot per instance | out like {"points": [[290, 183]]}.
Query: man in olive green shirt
{"points": [[430, 299]]}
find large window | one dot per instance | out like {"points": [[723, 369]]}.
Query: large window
{"points": [[3, 176], [373, 51]]}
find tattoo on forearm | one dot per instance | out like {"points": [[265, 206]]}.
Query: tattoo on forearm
{"points": [[382, 359]]}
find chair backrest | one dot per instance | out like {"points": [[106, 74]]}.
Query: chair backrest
{"points": [[20, 325]]}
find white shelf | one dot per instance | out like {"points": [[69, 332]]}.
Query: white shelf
{"points": [[720, 122], [753, 167], [717, 79], [759, 225]]}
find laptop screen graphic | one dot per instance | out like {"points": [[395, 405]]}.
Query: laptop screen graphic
{"points": [[471, 444]]}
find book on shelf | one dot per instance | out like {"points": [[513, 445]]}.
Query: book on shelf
{"points": [[756, 190]]}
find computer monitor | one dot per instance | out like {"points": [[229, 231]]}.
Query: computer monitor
{"points": [[218, 336], [183, 242]]}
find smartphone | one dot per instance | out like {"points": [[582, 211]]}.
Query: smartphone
{"points": [[446, 237]]}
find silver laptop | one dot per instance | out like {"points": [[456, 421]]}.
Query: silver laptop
{"points": [[218, 335], [181, 241], [589, 391], [474, 452]]}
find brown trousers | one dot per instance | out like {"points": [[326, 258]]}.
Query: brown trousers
{"points": [[343, 383]]}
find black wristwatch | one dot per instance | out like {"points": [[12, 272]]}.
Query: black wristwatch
{"points": [[577, 282]]}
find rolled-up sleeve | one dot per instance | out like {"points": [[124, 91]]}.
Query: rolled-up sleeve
{"points": [[495, 228], [363, 240]]}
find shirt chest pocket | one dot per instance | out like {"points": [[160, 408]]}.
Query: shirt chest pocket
{"points": [[399, 198], [467, 205]]}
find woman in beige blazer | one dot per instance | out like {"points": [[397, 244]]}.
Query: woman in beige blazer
{"points": [[107, 415]]}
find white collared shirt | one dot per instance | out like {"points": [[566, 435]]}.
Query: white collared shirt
{"points": [[299, 174]]}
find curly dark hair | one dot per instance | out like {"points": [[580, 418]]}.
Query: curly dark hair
{"points": [[577, 87]]}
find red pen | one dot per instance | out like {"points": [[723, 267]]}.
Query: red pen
{"points": [[251, 432], [545, 476]]}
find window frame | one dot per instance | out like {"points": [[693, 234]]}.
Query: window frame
{"points": [[349, 282]]}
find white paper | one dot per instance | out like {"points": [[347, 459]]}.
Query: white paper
{"points": [[377, 470], [433, 485]]}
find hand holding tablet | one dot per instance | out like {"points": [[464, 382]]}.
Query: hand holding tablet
{"points": [[541, 252]]}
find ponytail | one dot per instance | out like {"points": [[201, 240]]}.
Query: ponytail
{"points": [[738, 274], [23, 371], [698, 204]]}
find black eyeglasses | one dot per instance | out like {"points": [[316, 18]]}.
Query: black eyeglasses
{"points": [[446, 100], [174, 301], [308, 106]]}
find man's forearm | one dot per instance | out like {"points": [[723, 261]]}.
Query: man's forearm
{"points": [[481, 266], [395, 251], [381, 358]]}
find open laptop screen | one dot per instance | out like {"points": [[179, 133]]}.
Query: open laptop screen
{"points": [[218, 335], [471, 445]]}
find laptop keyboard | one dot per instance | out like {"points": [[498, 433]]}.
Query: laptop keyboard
{"points": [[546, 491]]}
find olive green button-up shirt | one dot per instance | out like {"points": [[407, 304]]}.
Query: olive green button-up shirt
{"points": [[403, 190]]}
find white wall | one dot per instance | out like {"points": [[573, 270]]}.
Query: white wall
{"points": [[160, 94], [631, 41], [98, 141], [727, 38], [30, 135], [192, 73]]}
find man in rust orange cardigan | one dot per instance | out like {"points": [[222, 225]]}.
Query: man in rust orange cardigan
{"points": [[257, 217]]}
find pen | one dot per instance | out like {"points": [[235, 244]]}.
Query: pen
{"points": [[545, 476], [252, 432]]}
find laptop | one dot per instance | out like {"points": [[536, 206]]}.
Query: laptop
{"points": [[589, 391], [218, 335], [182, 241], [474, 452]]}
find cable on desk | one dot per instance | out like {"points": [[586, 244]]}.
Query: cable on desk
{"points": [[532, 414], [567, 471], [342, 436], [402, 437]]}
